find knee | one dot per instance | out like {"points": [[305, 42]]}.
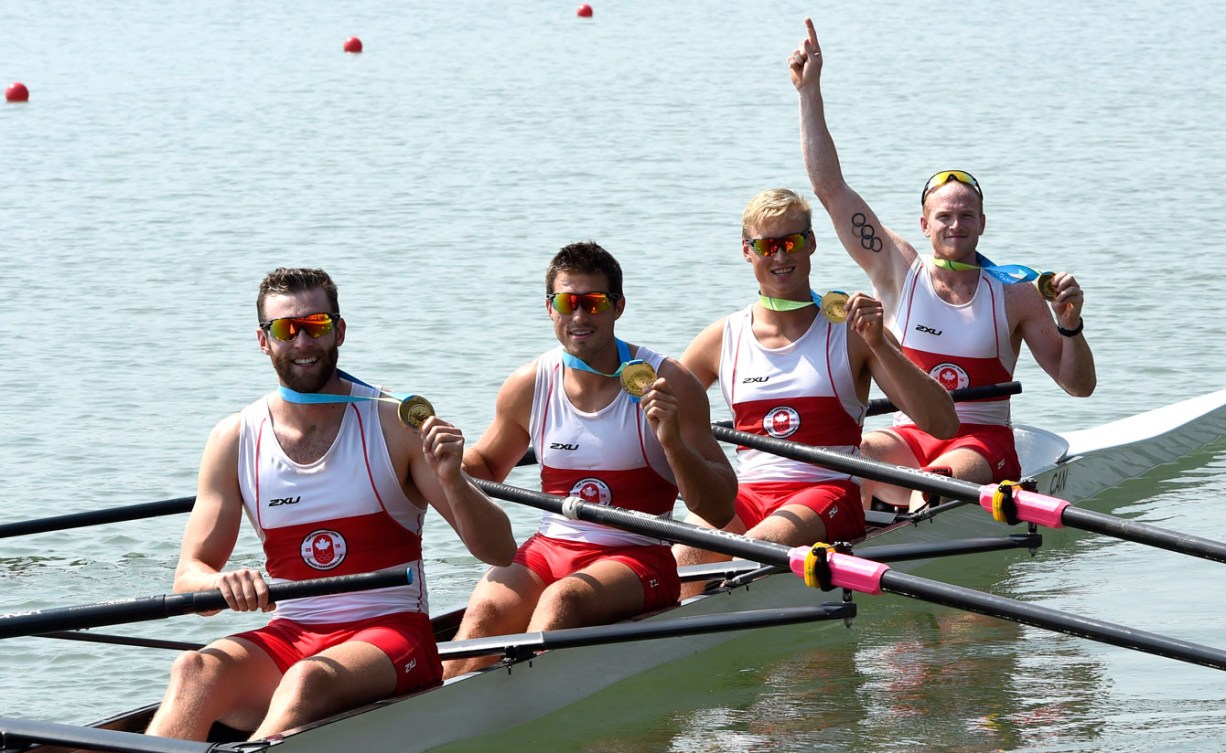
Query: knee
{"points": [[193, 668], [309, 679], [561, 605]]}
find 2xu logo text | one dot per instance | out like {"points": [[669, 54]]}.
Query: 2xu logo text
{"points": [[563, 446], [927, 330], [278, 501], [754, 380]]}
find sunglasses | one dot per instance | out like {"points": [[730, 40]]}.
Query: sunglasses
{"points": [[286, 329], [771, 246], [592, 303], [944, 177]]}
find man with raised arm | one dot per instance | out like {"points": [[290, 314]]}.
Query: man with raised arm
{"points": [[796, 365], [955, 313], [612, 423], [334, 484]]}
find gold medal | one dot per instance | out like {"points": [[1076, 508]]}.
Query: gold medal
{"points": [[834, 306], [1046, 286], [414, 410], [637, 378]]}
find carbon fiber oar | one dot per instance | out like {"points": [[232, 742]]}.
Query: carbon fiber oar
{"points": [[820, 566], [169, 605], [1015, 502]]}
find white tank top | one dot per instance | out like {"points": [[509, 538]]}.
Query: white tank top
{"points": [[610, 457], [345, 513], [802, 392], [959, 346]]}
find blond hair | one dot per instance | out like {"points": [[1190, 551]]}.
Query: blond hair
{"points": [[771, 205]]}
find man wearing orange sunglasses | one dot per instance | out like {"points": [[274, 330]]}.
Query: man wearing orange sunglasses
{"points": [[613, 423], [952, 311], [795, 366], [335, 485]]}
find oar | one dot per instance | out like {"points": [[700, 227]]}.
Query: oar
{"points": [[880, 405], [857, 574], [1021, 506], [169, 605], [97, 517]]}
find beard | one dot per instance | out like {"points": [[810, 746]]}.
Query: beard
{"points": [[313, 380]]}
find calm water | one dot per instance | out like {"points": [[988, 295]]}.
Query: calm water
{"points": [[171, 154]]}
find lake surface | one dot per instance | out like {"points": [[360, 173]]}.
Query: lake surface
{"points": [[172, 154]]}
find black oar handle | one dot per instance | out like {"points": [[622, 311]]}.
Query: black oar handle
{"points": [[170, 605], [880, 405]]}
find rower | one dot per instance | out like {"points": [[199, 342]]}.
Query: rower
{"points": [[612, 423], [797, 365], [336, 484], [957, 315]]}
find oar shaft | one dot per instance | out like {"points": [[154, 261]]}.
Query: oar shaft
{"points": [[1030, 506], [97, 517], [170, 605], [648, 525], [912, 478], [866, 576], [1039, 616], [880, 405], [1143, 533]]}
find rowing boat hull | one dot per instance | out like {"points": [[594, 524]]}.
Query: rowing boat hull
{"points": [[1074, 466]]}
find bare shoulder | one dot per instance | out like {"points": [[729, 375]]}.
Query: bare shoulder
{"points": [[702, 355], [224, 436]]}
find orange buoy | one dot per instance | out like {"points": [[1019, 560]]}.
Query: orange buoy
{"points": [[585, 11], [17, 92], [353, 44]]}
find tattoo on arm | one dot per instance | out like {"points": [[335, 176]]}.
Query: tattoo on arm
{"points": [[869, 239]]}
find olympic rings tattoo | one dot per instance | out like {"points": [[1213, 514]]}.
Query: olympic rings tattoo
{"points": [[868, 235]]}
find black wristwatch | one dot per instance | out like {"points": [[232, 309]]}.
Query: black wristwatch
{"points": [[1081, 324]]}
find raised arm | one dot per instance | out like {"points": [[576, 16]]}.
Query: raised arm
{"points": [[213, 526], [1067, 359], [677, 410], [883, 254], [906, 385]]}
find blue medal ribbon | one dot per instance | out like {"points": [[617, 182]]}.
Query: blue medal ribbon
{"points": [[623, 355], [316, 398], [1006, 273]]}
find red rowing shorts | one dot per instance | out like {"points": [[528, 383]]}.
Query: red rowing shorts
{"points": [[837, 502], [993, 442], [406, 637], [553, 559]]}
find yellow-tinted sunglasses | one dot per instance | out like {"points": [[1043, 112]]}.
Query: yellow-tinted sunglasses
{"points": [[943, 177]]}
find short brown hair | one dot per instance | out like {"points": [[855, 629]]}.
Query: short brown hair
{"points": [[585, 258], [286, 280]]}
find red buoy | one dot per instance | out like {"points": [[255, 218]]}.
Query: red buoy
{"points": [[585, 11], [353, 44], [17, 92]]}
